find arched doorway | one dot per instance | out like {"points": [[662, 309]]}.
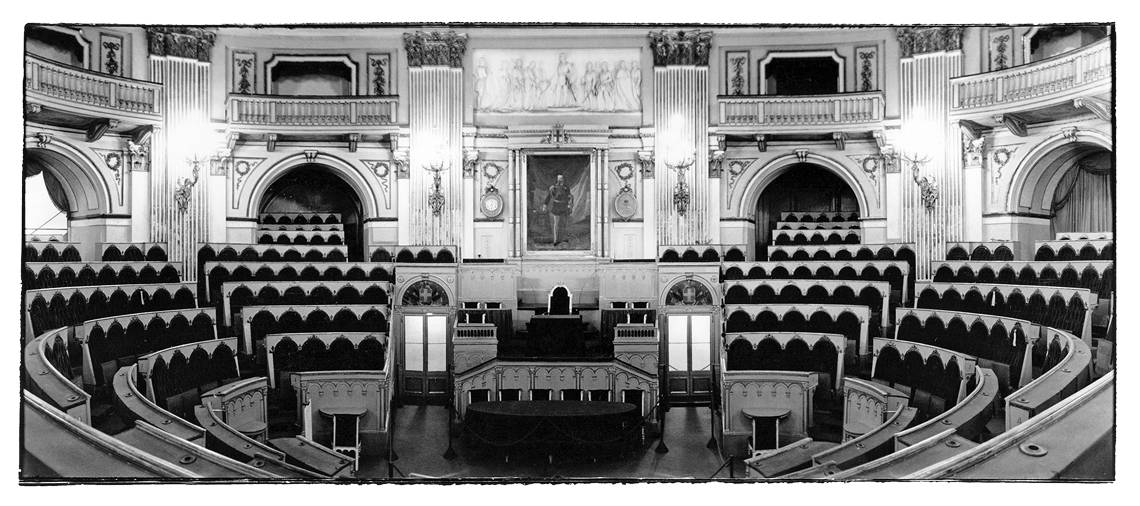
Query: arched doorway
{"points": [[315, 188], [803, 187]]}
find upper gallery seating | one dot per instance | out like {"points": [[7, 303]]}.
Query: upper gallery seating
{"points": [[1096, 275], [1075, 249], [219, 273], [58, 274], [133, 252], [989, 250], [414, 255]]}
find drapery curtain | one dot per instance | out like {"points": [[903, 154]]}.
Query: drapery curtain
{"points": [[1085, 198], [54, 186]]}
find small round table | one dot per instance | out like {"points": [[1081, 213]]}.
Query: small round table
{"points": [[763, 415]]}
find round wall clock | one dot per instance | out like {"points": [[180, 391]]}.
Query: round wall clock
{"points": [[625, 205], [491, 205]]}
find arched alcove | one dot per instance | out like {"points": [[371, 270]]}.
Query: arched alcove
{"points": [[315, 188], [806, 187]]}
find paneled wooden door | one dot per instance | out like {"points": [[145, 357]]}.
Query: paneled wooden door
{"points": [[424, 378], [689, 355]]}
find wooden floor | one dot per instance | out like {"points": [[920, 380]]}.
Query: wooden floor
{"points": [[421, 440]]}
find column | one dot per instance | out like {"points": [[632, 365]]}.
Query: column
{"points": [[435, 122], [931, 188], [973, 187], [648, 206], [681, 122], [181, 149]]}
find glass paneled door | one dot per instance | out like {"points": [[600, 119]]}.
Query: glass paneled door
{"points": [[425, 358], [689, 354]]}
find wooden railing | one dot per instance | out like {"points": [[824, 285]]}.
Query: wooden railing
{"points": [[1085, 66], [274, 110], [91, 88], [799, 111]]}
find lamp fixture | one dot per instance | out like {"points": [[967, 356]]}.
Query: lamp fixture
{"points": [[436, 200], [927, 185], [681, 195], [184, 186]]}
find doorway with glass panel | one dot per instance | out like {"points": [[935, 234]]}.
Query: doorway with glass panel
{"points": [[424, 370], [689, 356]]}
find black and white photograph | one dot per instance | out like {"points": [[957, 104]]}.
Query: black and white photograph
{"points": [[660, 252]]}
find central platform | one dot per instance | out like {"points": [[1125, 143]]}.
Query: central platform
{"points": [[565, 428]]}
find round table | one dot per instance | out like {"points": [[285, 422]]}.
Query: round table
{"points": [[764, 415], [553, 427]]}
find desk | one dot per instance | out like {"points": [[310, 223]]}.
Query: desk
{"points": [[553, 427], [763, 415], [349, 441]]}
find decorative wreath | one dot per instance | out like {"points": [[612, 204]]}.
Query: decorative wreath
{"points": [[624, 171], [114, 161], [491, 170], [242, 168]]}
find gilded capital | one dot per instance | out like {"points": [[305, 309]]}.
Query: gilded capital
{"points": [[435, 48], [683, 47], [180, 41], [928, 39]]}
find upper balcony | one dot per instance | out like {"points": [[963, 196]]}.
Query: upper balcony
{"points": [[1042, 90], [311, 114], [69, 96], [801, 114]]}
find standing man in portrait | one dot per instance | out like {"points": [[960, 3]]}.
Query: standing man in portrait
{"points": [[558, 203]]}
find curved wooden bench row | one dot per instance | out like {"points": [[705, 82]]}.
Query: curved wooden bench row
{"points": [[862, 251], [237, 294], [46, 381], [901, 463], [873, 445], [786, 459], [851, 321], [243, 404], [49, 275], [817, 225], [1055, 384], [191, 456], [90, 454], [303, 218], [259, 321], [895, 272], [986, 250], [1084, 236], [1067, 308], [304, 453], [823, 216], [296, 342], [791, 237], [934, 370], [1072, 440], [414, 254], [107, 340], [214, 274], [228, 441], [303, 227], [51, 251], [1080, 249], [48, 308], [230, 252], [968, 418], [1098, 276], [766, 351], [133, 251], [176, 376], [875, 294], [696, 253], [314, 237], [132, 405]]}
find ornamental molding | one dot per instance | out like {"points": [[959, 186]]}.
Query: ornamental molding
{"points": [[683, 47], [426, 49], [180, 41], [928, 39]]}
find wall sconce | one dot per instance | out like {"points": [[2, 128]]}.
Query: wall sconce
{"points": [[927, 185], [436, 200], [681, 195], [184, 186]]}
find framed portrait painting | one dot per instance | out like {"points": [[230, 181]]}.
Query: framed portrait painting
{"points": [[558, 203]]}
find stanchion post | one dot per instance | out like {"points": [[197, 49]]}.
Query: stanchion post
{"points": [[662, 405], [450, 453]]}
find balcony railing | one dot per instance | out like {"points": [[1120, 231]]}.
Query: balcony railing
{"points": [[312, 112], [1087, 66], [797, 111], [83, 87]]}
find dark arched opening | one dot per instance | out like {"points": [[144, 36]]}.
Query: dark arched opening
{"points": [[315, 188]]}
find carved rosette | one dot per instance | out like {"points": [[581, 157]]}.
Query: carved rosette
{"points": [[684, 47], [928, 39], [974, 151], [435, 48], [180, 41]]}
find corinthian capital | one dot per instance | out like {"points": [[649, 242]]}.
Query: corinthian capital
{"points": [[684, 47], [435, 48], [180, 41], [928, 39]]}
